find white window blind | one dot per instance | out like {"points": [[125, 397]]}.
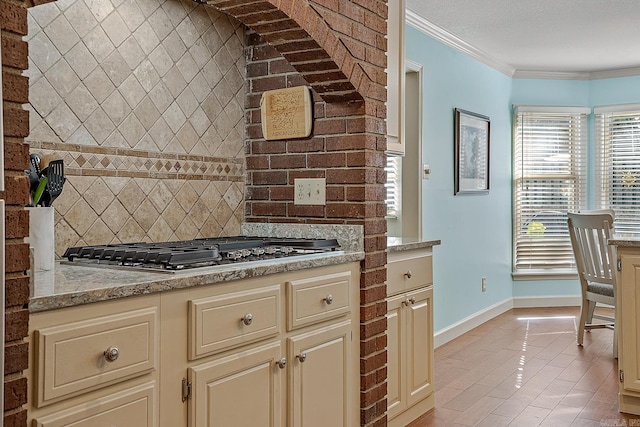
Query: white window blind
{"points": [[549, 179], [393, 186], [618, 165]]}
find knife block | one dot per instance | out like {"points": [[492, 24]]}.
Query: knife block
{"points": [[42, 237]]}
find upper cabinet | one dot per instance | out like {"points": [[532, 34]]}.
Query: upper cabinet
{"points": [[395, 77]]}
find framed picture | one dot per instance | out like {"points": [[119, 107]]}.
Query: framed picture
{"points": [[471, 167]]}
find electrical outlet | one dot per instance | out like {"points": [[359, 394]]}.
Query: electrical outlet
{"points": [[484, 284], [310, 191]]}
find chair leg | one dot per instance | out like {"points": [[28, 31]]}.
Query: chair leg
{"points": [[592, 309], [583, 320], [615, 334]]}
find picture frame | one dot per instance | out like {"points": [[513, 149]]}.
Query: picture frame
{"points": [[472, 133]]}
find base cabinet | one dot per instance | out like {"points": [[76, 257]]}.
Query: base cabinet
{"points": [[320, 380], [410, 339], [273, 351], [95, 366], [134, 407], [223, 390], [628, 323]]}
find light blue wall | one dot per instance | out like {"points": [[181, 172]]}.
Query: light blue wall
{"points": [[623, 90], [476, 230]]}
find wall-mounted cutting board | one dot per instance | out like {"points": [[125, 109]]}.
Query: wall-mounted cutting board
{"points": [[286, 113]]}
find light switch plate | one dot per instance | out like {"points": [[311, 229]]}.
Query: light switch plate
{"points": [[310, 191], [426, 171]]}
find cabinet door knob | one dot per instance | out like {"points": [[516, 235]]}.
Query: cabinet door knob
{"points": [[302, 357], [328, 299], [408, 274], [282, 363], [412, 300], [111, 354], [405, 302], [247, 319]]}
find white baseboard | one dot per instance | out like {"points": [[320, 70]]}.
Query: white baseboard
{"points": [[449, 333], [548, 301]]}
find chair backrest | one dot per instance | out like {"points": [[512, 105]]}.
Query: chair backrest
{"points": [[590, 232]]}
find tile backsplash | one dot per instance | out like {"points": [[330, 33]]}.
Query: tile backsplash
{"points": [[144, 102]]}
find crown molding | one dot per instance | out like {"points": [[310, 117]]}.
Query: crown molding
{"points": [[612, 74], [552, 75], [442, 35], [447, 38]]}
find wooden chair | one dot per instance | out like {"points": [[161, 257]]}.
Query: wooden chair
{"points": [[596, 265]]}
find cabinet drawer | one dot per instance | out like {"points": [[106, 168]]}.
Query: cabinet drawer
{"points": [[230, 320], [132, 408], [318, 298], [409, 272], [71, 357]]}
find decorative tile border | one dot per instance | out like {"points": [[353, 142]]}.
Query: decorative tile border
{"points": [[106, 161]]}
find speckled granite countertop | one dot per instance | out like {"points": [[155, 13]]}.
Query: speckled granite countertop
{"points": [[399, 244], [70, 285], [625, 241]]}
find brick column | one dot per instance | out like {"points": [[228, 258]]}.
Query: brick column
{"points": [[15, 92]]}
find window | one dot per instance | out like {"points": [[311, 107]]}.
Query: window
{"points": [[549, 178], [618, 164], [393, 186]]}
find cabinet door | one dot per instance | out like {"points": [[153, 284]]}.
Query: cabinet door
{"points": [[239, 390], [135, 407], [319, 377], [629, 322], [419, 345], [396, 403]]}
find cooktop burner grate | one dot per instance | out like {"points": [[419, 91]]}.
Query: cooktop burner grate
{"points": [[198, 252]]}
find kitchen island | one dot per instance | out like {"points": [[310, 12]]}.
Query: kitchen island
{"points": [[628, 322], [261, 343]]}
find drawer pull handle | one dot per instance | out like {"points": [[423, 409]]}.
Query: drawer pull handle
{"points": [[302, 357], [408, 274], [247, 319], [282, 363], [328, 299], [111, 354], [405, 302]]}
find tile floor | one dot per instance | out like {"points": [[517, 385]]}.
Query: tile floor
{"points": [[523, 368]]}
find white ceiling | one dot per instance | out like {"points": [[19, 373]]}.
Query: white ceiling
{"points": [[588, 38]]}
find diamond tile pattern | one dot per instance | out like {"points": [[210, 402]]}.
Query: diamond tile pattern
{"points": [[133, 94]]}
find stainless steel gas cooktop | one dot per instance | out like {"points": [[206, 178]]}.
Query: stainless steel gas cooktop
{"points": [[185, 254]]}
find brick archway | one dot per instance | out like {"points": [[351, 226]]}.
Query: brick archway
{"points": [[314, 39]]}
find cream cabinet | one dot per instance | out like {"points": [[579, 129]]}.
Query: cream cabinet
{"points": [[271, 351], [628, 323], [395, 76], [96, 365], [242, 391], [276, 350], [321, 377], [409, 335]]}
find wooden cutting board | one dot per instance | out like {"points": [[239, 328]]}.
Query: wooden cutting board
{"points": [[286, 113]]}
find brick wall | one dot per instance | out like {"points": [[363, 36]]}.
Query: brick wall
{"points": [[337, 47], [15, 92]]}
